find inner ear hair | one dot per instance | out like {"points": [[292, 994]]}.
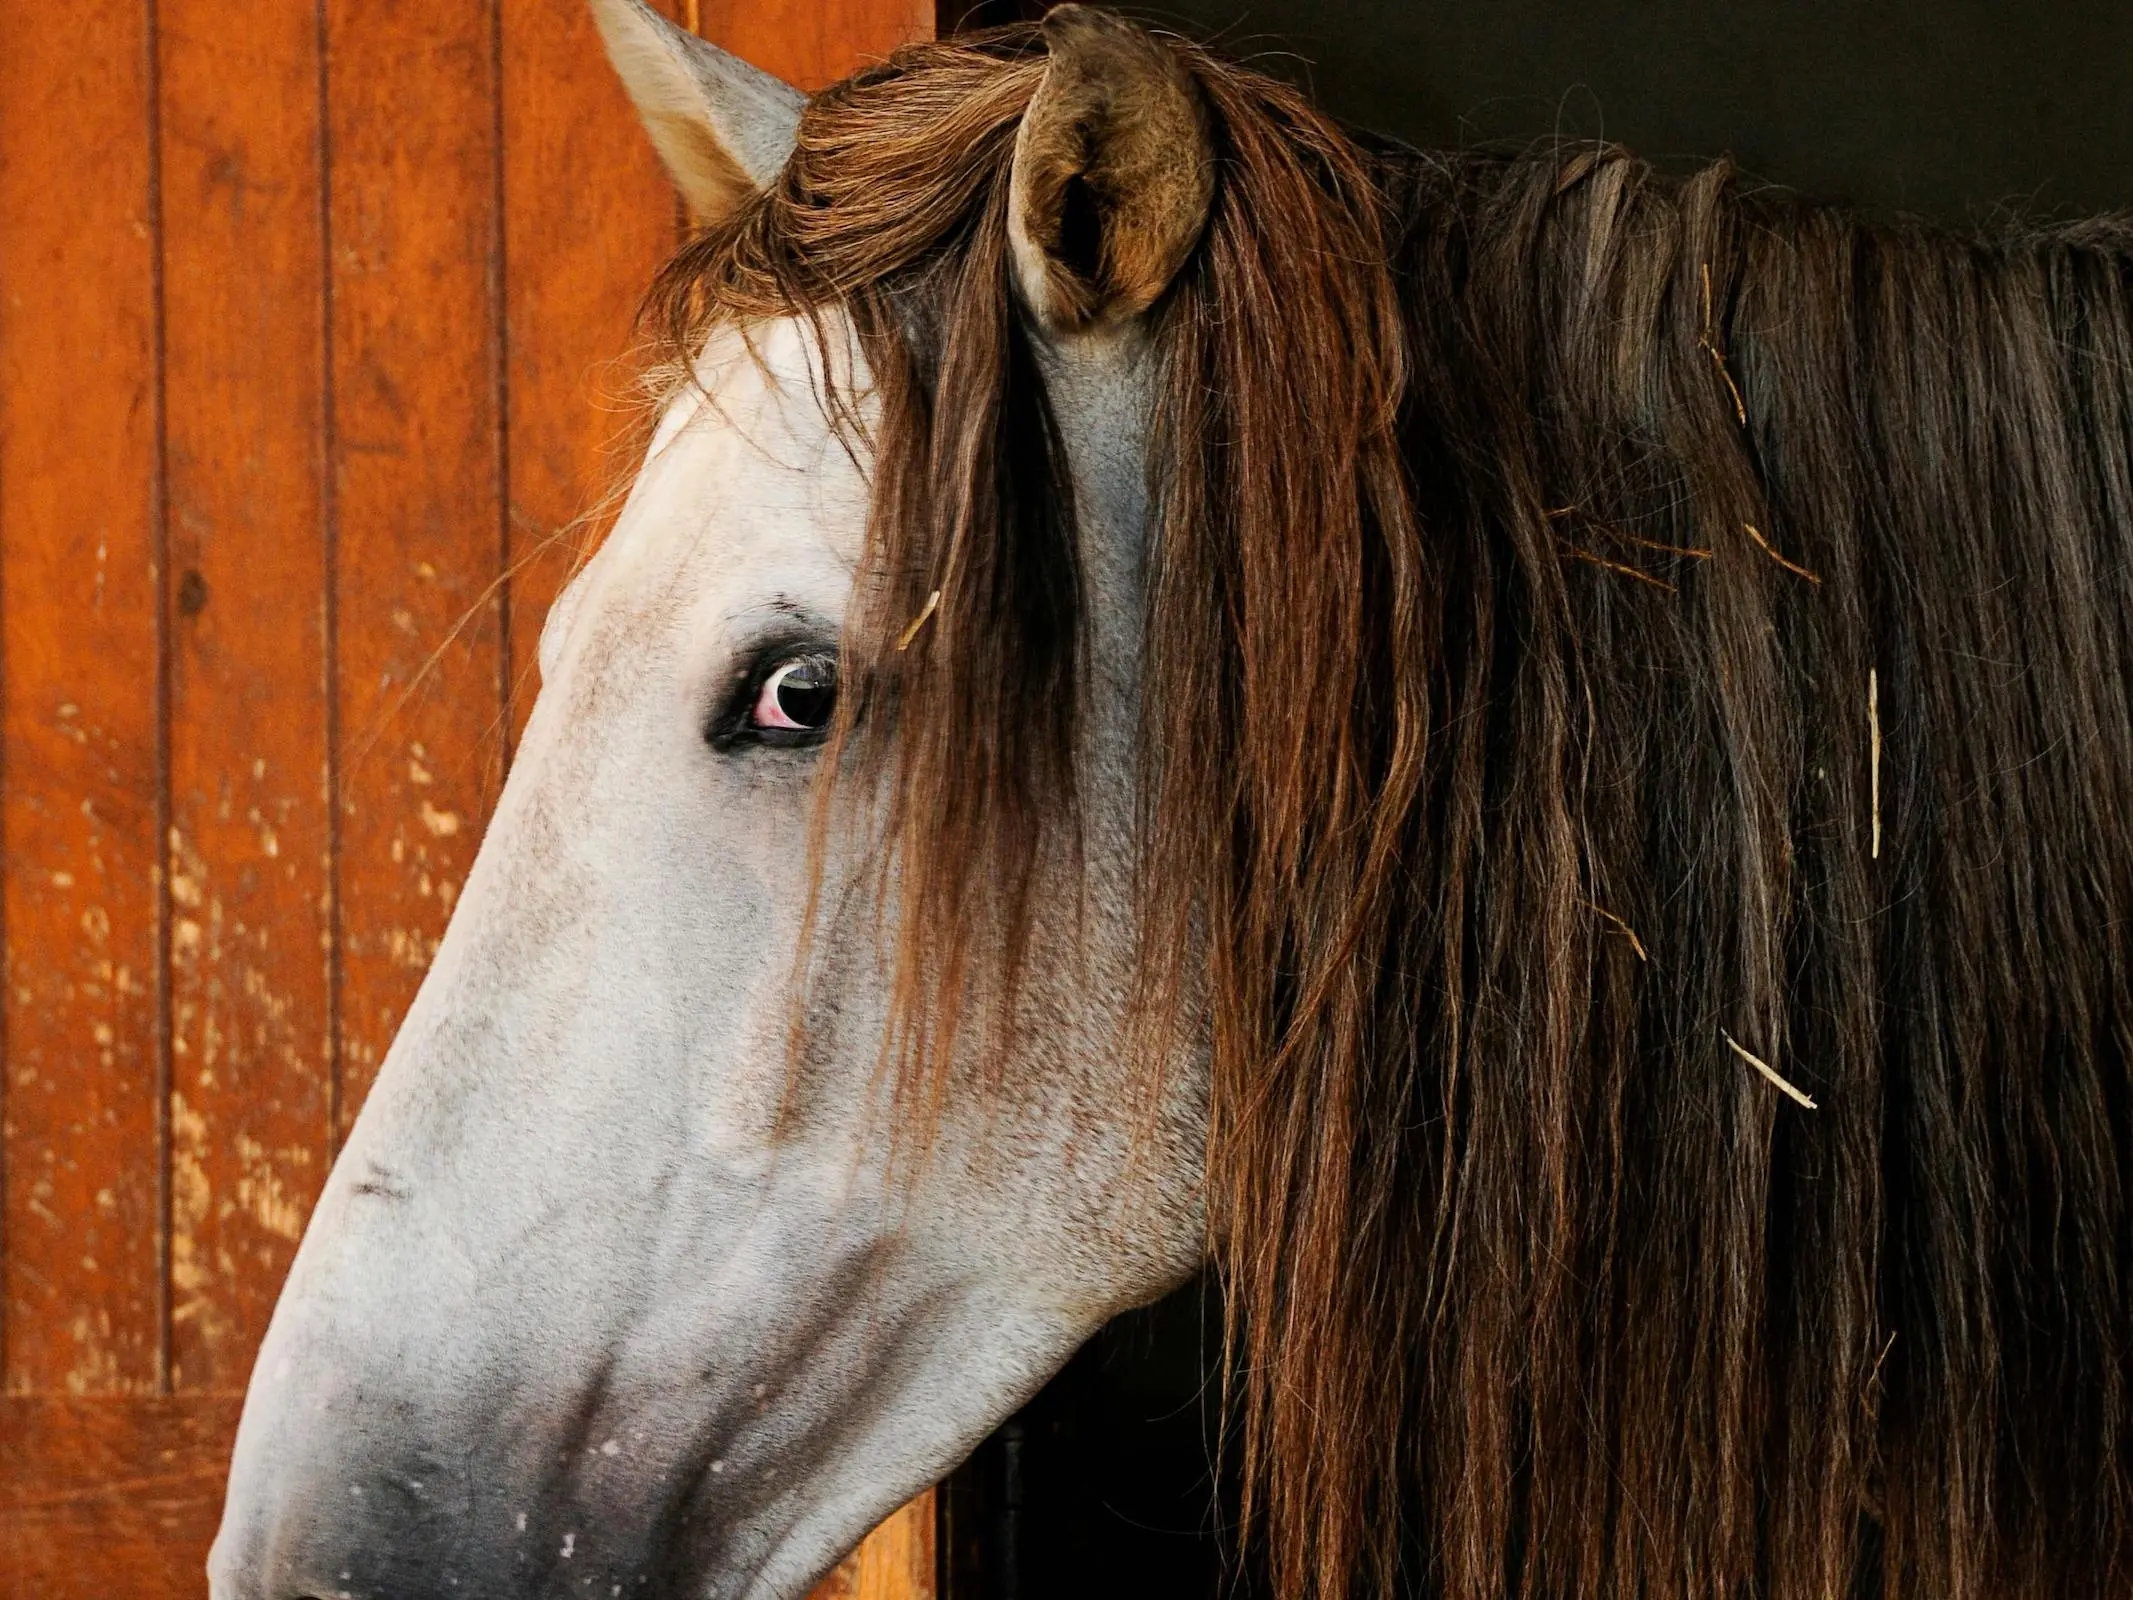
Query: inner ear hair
{"points": [[1113, 172]]}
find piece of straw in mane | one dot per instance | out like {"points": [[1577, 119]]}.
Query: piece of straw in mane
{"points": [[1532, 1290]]}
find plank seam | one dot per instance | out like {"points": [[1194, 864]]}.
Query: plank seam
{"points": [[159, 578], [500, 383], [7, 964], [330, 607]]}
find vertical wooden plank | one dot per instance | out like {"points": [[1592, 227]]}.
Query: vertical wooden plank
{"points": [[417, 499], [811, 43], [79, 1283], [897, 1561], [249, 836], [588, 217]]}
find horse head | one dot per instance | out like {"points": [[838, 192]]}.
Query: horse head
{"points": [[674, 1246]]}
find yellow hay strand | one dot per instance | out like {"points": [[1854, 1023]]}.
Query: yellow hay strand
{"points": [[1771, 551], [933, 601], [1764, 1068]]}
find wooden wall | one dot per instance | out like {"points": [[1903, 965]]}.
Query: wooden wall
{"points": [[309, 311]]}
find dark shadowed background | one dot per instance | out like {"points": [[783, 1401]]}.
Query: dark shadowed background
{"points": [[1954, 108]]}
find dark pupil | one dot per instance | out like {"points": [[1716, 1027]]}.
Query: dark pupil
{"points": [[808, 693]]}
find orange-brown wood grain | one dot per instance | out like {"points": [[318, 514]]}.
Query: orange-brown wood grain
{"points": [[79, 1280], [588, 219], [105, 1498], [897, 1561], [416, 462], [249, 836], [811, 43]]}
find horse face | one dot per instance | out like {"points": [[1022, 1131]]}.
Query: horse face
{"points": [[606, 1284], [612, 1291]]}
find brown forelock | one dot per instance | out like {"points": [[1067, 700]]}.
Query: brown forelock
{"points": [[1530, 532]]}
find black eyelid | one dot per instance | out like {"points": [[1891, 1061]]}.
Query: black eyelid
{"points": [[729, 727]]}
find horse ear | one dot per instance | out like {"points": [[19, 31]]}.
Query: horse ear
{"points": [[722, 127], [1113, 176]]}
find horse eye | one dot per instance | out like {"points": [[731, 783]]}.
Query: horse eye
{"points": [[799, 696]]}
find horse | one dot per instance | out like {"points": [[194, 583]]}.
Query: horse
{"points": [[1525, 759]]}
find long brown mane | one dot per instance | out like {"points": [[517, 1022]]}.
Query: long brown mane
{"points": [[1625, 655]]}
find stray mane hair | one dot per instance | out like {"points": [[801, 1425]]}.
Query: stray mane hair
{"points": [[1637, 768]]}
